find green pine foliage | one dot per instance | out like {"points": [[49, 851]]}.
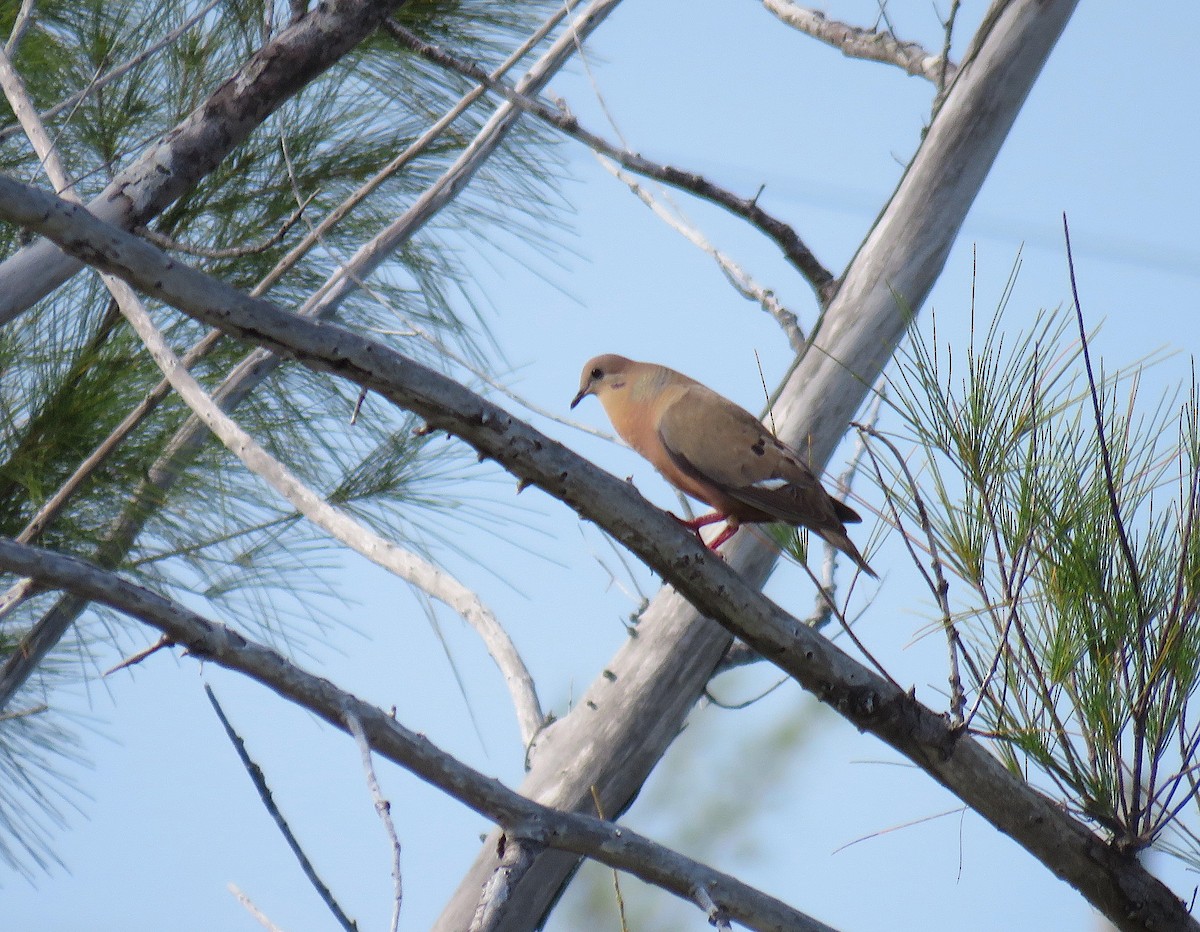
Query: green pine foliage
{"points": [[71, 369], [1071, 545]]}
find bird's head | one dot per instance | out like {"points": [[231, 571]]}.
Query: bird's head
{"points": [[601, 375]]}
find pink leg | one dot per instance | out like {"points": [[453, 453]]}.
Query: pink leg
{"points": [[730, 529], [703, 521]]}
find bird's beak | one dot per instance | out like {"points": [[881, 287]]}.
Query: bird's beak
{"points": [[583, 393]]}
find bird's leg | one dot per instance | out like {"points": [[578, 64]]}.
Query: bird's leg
{"points": [[703, 521], [695, 524], [730, 529]]}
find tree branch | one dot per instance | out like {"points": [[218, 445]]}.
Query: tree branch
{"points": [[264, 793], [410, 567], [794, 249], [384, 809], [746, 286], [869, 44], [580, 834], [1116, 884], [272, 75]]}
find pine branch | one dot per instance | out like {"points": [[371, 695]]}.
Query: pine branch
{"points": [[249, 374]]}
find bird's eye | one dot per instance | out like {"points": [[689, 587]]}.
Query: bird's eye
{"points": [[597, 374]]}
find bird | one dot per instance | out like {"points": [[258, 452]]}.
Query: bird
{"points": [[715, 451]]}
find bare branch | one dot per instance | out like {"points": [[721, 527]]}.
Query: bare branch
{"points": [[521, 97], [372, 254], [384, 809], [258, 778], [248, 374], [869, 44], [540, 825], [257, 914], [20, 24], [409, 566], [746, 286], [162, 241]]}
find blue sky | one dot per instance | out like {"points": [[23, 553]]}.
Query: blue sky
{"points": [[1108, 135]]}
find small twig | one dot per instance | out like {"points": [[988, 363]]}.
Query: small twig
{"points": [[784, 236], [264, 793], [937, 583], [384, 809], [141, 655], [827, 596], [944, 75], [1101, 437], [746, 286], [162, 241], [869, 44], [716, 916], [253, 910], [362, 396], [746, 703], [616, 876]]}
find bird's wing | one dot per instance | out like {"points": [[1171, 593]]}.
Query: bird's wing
{"points": [[716, 442]]}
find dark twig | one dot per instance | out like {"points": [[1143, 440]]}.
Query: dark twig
{"points": [[1105, 455], [162, 241], [141, 655], [785, 237], [937, 583], [264, 793], [944, 73], [1138, 713]]}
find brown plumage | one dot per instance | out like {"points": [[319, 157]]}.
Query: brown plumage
{"points": [[719, 453]]}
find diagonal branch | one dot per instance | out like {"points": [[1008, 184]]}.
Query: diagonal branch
{"points": [[869, 44], [268, 801], [409, 566], [383, 808], [272, 75], [1117, 885], [794, 249], [746, 286], [584, 835]]}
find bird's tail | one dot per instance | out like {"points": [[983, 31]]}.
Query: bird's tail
{"points": [[843, 543]]}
